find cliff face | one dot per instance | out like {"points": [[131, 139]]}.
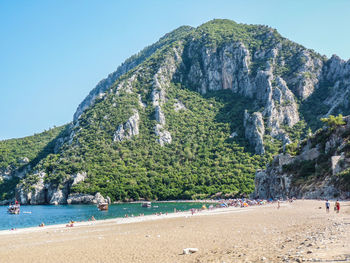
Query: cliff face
{"points": [[189, 103], [319, 170]]}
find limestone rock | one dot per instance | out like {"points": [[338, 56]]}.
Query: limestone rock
{"points": [[160, 115], [255, 130], [78, 198], [129, 129], [59, 196], [178, 106], [279, 177], [23, 160], [79, 177], [164, 137]]}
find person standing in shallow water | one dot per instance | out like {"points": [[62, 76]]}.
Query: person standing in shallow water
{"points": [[337, 206], [327, 206]]}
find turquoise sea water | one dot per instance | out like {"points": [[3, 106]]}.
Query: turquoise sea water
{"points": [[49, 214]]}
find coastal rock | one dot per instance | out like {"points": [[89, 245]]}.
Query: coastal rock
{"points": [[313, 161], [79, 198], [34, 194], [58, 197]]}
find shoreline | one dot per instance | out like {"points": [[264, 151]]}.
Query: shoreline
{"points": [[136, 202], [301, 231], [136, 219]]}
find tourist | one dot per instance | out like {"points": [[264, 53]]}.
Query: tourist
{"points": [[327, 206], [337, 206], [278, 204]]}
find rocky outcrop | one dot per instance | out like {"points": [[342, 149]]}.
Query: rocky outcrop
{"points": [[178, 106], [161, 81], [314, 172], [164, 137], [129, 129], [216, 69], [86, 199], [255, 130], [34, 194], [229, 67], [57, 196], [46, 193], [79, 177]]}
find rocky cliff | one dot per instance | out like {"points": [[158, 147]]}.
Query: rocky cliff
{"points": [[192, 115], [320, 168]]}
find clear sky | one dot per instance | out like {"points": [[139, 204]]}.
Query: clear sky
{"points": [[52, 53]]}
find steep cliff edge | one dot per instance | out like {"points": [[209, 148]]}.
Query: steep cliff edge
{"points": [[318, 168]]}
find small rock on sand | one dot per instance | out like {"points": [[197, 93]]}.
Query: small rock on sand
{"points": [[188, 251]]}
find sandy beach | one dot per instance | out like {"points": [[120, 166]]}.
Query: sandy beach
{"points": [[297, 232]]}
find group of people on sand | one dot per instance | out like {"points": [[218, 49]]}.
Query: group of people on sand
{"points": [[336, 206], [71, 223]]}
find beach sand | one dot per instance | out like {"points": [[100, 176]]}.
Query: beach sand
{"points": [[297, 232]]}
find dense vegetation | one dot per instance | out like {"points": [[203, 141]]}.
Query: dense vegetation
{"points": [[203, 158], [16, 154], [201, 161], [13, 151]]}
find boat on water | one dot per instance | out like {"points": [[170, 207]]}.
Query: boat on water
{"points": [[102, 206], [13, 209], [146, 204]]}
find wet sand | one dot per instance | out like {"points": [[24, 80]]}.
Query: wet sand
{"points": [[296, 232]]}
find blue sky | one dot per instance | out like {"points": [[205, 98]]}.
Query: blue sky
{"points": [[52, 53]]}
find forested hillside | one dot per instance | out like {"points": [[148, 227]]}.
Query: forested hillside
{"points": [[192, 116]]}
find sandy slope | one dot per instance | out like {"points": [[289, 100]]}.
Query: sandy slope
{"points": [[295, 232]]}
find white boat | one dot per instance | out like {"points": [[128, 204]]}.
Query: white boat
{"points": [[14, 209], [103, 206], [146, 204]]}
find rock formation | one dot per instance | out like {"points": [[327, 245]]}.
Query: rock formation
{"points": [[319, 170], [129, 129]]}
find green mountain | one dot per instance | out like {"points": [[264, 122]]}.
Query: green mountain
{"points": [[192, 116]]}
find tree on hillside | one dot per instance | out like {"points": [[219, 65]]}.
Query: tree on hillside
{"points": [[333, 121]]}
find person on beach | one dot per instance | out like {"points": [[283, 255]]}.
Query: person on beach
{"points": [[337, 206], [278, 204], [327, 206]]}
